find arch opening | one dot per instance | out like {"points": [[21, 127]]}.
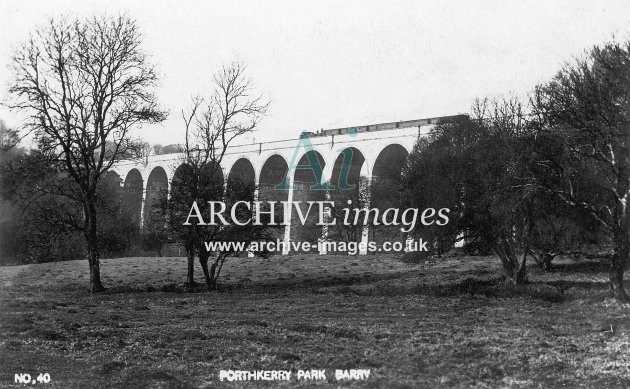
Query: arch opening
{"points": [[212, 183], [182, 195], [132, 196], [241, 182], [306, 176], [385, 189], [155, 200], [349, 186], [272, 173]]}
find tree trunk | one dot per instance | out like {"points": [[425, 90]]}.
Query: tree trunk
{"points": [[619, 261], [190, 276], [515, 273], [521, 272], [92, 245], [95, 270], [213, 279], [203, 260]]}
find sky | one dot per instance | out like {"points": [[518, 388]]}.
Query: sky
{"points": [[327, 64]]}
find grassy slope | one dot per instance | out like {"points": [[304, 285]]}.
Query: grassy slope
{"points": [[419, 325]]}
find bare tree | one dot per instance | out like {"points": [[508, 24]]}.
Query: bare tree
{"points": [[212, 124], [84, 84]]}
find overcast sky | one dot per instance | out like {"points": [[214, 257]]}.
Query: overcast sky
{"points": [[331, 63]]}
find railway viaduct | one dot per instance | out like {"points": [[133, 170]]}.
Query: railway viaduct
{"points": [[377, 154]]}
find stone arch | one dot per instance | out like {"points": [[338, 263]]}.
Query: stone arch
{"points": [[241, 182], [303, 171], [385, 189], [183, 173], [155, 198], [181, 194], [132, 195], [271, 174], [389, 163], [212, 181], [305, 178], [349, 163], [349, 185]]}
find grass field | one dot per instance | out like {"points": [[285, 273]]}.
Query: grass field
{"points": [[442, 323]]}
